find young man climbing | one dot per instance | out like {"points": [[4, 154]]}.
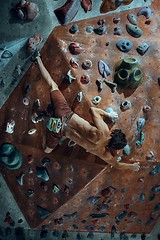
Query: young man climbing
{"points": [[96, 139]]}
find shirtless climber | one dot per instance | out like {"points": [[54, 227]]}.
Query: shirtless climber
{"points": [[96, 139]]}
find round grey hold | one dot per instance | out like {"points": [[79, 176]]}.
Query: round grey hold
{"points": [[124, 45]]}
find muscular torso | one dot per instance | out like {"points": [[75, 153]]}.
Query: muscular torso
{"points": [[91, 138]]}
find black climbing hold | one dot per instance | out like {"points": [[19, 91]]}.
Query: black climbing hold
{"points": [[64, 234], [102, 207], [8, 231], [75, 226], [113, 231], [149, 222], [93, 199], [72, 215], [56, 233], [43, 233], [142, 197], [43, 213], [90, 228], [121, 215], [73, 29], [152, 197], [107, 192], [134, 235], [124, 45], [99, 84], [143, 236], [155, 170], [155, 188], [19, 233], [123, 190], [42, 173], [102, 215], [45, 161], [102, 228], [78, 237], [157, 207], [90, 235], [143, 48], [58, 221], [30, 193], [19, 178]]}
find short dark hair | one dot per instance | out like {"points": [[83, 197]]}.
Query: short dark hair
{"points": [[118, 140]]}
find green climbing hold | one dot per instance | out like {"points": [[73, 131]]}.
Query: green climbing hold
{"points": [[134, 31]]}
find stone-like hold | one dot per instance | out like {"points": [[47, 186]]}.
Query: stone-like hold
{"points": [[149, 222], [134, 31], [86, 5], [111, 111], [100, 30], [42, 173], [19, 178], [43, 213], [146, 11], [25, 101], [117, 31], [128, 73], [75, 226], [45, 161], [141, 140], [111, 5], [10, 157], [30, 192], [56, 233], [72, 215], [87, 64], [103, 68], [155, 189], [89, 29], [112, 85], [93, 199], [6, 54], [152, 197], [121, 215], [127, 150], [68, 11], [102, 207], [132, 18], [73, 63], [55, 188], [116, 20], [73, 29], [142, 197], [79, 96], [26, 10], [150, 157], [146, 109], [156, 169], [69, 77], [90, 235], [113, 231], [65, 235], [143, 48], [125, 105], [85, 79], [101, 215], [96, 100], [10, 126], [107, 192], [58, 221], [32, 131], [99, 84], [124, 45], [75, 48], [44, 186], [140, 124]]}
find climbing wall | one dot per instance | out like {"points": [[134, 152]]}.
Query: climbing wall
{"points": [[71, 189]]}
